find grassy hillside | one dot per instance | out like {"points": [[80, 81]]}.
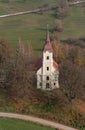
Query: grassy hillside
{"points": [[32, 27], [5, 103], [68, 114], [74, 24], [12, 124], [22, 5]]}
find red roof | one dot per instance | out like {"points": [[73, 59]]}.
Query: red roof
{"points": [[47, 46], [55, 64], [34, 66], [38, 64]]}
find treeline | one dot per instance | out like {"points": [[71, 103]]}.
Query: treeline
{"points": [[15, 65], [71, 61], [75, 42], [18, 65]]}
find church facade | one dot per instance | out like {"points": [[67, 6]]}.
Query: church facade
{"points": [[48, 73]]}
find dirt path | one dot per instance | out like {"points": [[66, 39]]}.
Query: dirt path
{"points": [[29, 11], [77, 2], [36, 120]]}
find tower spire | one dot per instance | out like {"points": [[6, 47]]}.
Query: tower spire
{"points": [[47, 28], [47, 46], [47, 35]]}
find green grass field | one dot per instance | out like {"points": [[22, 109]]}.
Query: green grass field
{"points": [[31, 28], [23, 5], [13, 124], [74, 24]]}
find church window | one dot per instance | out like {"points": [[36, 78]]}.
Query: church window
{"points": [[54, 84], [47, 68], [47, 57], [47, 85], [47, 77]]}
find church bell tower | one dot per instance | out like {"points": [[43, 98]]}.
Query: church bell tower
{"points": [[47, 75]]}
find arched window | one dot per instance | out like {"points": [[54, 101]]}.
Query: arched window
{"points": [[47, 68], [54, 84], [47, 57], [47, 77]]}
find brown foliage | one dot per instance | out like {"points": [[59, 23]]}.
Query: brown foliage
{"points": [[20, 78], [58, 53], [72, 69], [63, 9], [78, 119], [4, 50], [72, 80]]}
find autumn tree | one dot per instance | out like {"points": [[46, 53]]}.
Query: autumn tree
{"points": [[5, 56], [58, 26], [63, 9], [79, 57], [4, 50], [20, 77], [55, 47], [71, 79], [58, 51]]}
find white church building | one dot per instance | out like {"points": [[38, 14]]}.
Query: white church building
{"points": [[48, 73]]}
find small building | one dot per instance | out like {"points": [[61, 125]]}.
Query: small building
{"points": [[48, 73]]}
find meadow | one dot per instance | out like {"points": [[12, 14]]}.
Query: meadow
{"points": [[74, 24], [23, 5], [31, 28], [13, 124]]}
